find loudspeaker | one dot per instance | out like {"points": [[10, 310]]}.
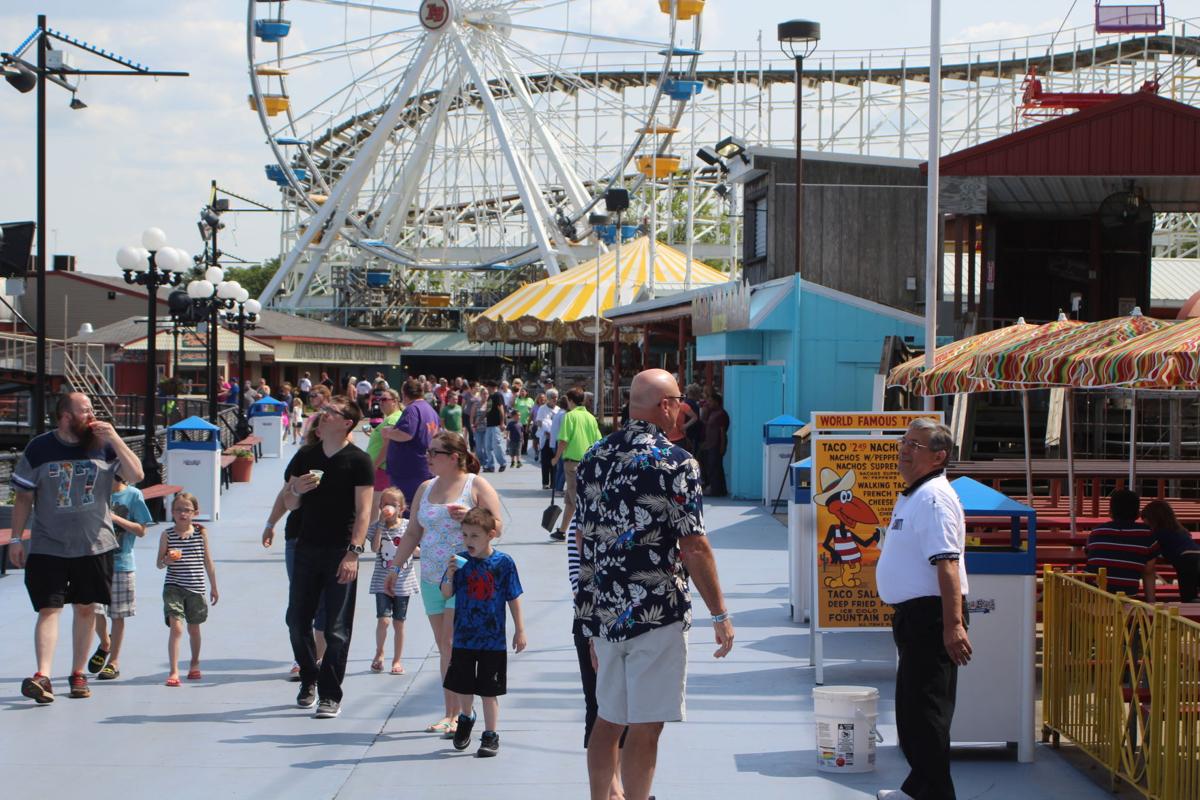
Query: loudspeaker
{"points": [[616, 199], [16, 241]]}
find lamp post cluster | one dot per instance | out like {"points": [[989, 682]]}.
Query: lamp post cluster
{"points": [[152, 265]]}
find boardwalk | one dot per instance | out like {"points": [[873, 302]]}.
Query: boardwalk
{"points": [[238, 733]]}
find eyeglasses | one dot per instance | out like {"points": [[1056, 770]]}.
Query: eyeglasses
{"points": [[330, 411], [904, 441], [431, 453], [678, 398], [388, 400]]}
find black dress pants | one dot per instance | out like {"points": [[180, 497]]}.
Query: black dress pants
{"points": [[926, 681], [547, 454], [1187, 572], [314, 578]]}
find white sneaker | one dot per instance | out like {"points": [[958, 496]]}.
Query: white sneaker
{"points": [[892, 794]]}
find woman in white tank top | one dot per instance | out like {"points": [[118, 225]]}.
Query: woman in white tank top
{"points": [[435, 523]]}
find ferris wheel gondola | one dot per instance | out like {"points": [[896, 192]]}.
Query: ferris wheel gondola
{"points": [[403, 134]]}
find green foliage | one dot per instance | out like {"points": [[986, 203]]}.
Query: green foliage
{"points": [[253, 279]]}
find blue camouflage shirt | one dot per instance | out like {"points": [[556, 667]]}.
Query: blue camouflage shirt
{"points": [[638, 496]]}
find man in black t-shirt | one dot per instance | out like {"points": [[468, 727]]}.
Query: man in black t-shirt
{"points": [[332, 482]]}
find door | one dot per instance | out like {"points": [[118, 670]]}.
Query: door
{"points": [[753, 395]]}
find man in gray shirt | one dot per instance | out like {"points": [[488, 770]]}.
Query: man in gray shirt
{"points": [[63, 483]]}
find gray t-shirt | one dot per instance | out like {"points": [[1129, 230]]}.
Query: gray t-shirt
{"points": [[71, 488]]}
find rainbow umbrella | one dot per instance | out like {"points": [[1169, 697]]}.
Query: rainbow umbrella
{"points": [[1049, 358], [1168, 358], [951, 373]]}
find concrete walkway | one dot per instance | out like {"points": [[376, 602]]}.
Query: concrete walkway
{"points": [[237, 733]]}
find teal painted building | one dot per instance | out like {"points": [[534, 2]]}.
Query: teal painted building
{"points": [[804, 348]]}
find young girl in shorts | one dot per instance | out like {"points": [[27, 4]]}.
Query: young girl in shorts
{"points": [[183, 551], [385, 535], [297, 419]]}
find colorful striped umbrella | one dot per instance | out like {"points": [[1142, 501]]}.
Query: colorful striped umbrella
{"points": [[951, 373], [1168, 358], [1049, 358], [570, 296]]}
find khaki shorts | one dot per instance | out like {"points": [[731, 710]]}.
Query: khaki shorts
{"points": [[643, 679], [188, 606]]}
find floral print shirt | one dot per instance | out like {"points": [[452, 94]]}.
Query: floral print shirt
{"points": [[638, 496]]}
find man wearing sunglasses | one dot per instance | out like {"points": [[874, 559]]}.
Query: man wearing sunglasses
{"points": [[922, 576], [332, 482]]}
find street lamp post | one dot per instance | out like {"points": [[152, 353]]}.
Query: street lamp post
{"points": [[797, 39], [209, 296], [152, 265], [24, 77], [245, 318]]}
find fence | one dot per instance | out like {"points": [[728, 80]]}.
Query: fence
{"points": [[1122, 681]]}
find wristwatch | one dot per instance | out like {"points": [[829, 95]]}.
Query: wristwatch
{"points": [[355, 548]]}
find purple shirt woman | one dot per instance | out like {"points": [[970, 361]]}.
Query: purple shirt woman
{"points": [[407, 466]]}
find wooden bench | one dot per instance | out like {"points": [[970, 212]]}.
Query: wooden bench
{"points": [[226, 461]]}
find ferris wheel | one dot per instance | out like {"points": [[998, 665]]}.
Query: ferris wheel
{"points": [[456, 134]]}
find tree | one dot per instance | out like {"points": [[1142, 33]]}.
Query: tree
{"points": [[254, 278]]}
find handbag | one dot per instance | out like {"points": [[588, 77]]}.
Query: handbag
{"points": [[551, 514]]}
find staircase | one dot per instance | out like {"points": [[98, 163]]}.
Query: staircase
{"points": [[83, 367]]}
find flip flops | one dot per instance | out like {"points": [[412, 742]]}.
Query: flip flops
{"points": [[109, 673], [377, 665], [172, 681], [194, 674], [397, 670], [97, 661], [442, 727]]}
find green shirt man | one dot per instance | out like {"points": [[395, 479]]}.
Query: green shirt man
{"points": [[524, 407], [580, 431], [452, 417]]}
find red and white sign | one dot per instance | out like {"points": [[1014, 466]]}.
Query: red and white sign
{"points": [[435, 14]]}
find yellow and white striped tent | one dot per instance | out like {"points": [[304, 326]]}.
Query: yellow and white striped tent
{"points": [[563, 307]]}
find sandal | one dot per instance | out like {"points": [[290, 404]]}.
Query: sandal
{"points": [[173, 681], [96, 662], [194, 674], [377, 665], [397, 670], [109, 673], [439, 727], [451, 730]]}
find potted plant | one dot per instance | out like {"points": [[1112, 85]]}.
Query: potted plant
{"points": [[243, 463]]}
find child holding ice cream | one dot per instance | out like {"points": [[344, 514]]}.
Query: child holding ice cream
{"points": [[183, 551]]}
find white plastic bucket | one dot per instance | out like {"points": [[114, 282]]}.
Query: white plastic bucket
{"points": [[846, 735]]}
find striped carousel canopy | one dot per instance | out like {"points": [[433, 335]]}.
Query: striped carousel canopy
{"points": [[1168, 358], [1049, 358], [952, 362], [563, 307]]}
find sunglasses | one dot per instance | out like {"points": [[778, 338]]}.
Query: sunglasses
{"points": [[679, 398], [330, 411]]}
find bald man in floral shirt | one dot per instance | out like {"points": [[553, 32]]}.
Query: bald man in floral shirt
{"points": [[641, 533]]}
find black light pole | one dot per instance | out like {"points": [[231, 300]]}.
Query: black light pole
{"points": [[24, 76], [153, 265], [798, 38], [209, 296], [244, 319]]}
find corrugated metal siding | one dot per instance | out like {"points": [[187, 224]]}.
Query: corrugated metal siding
{"points": [[1140, 134]]}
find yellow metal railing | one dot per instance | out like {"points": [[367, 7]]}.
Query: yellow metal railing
{"points": [[1121, 680]]}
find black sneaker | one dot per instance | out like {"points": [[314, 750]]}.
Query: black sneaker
{"points": [[502, 468], [489, 745], [558, 536], [462, 736], [38, 689], [308, 695], [328, 709]]}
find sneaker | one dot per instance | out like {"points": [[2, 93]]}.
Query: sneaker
{"points": [[558, 536], [97, 661], [308, 695], [489, 745], [328, 709], [892, 794], [545, 486], [294, 675], [38, 689], [462, 736], [502, 468], [79, 686], [488, 469]]}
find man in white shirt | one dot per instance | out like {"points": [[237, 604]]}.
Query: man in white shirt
{"points": [[549, 418], [305, 386], [921, 574]]}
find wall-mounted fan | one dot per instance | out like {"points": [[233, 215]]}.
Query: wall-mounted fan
{"points": [[1129, 207]]}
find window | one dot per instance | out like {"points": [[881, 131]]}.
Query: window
{"points": [[756, 228]]}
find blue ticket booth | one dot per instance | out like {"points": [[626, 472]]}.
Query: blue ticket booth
{"points": [[996, 690], [194, 462]]}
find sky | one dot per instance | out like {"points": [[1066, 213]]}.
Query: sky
{"points": [[145, 150]]}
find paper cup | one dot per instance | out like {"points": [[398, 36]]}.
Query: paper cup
{"points": [[317, 473], [460, 561]]}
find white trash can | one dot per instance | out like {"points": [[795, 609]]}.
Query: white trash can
{"points": [[846, 734]]}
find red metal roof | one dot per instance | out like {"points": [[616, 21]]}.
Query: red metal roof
{"points": [[1137, 134]]}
